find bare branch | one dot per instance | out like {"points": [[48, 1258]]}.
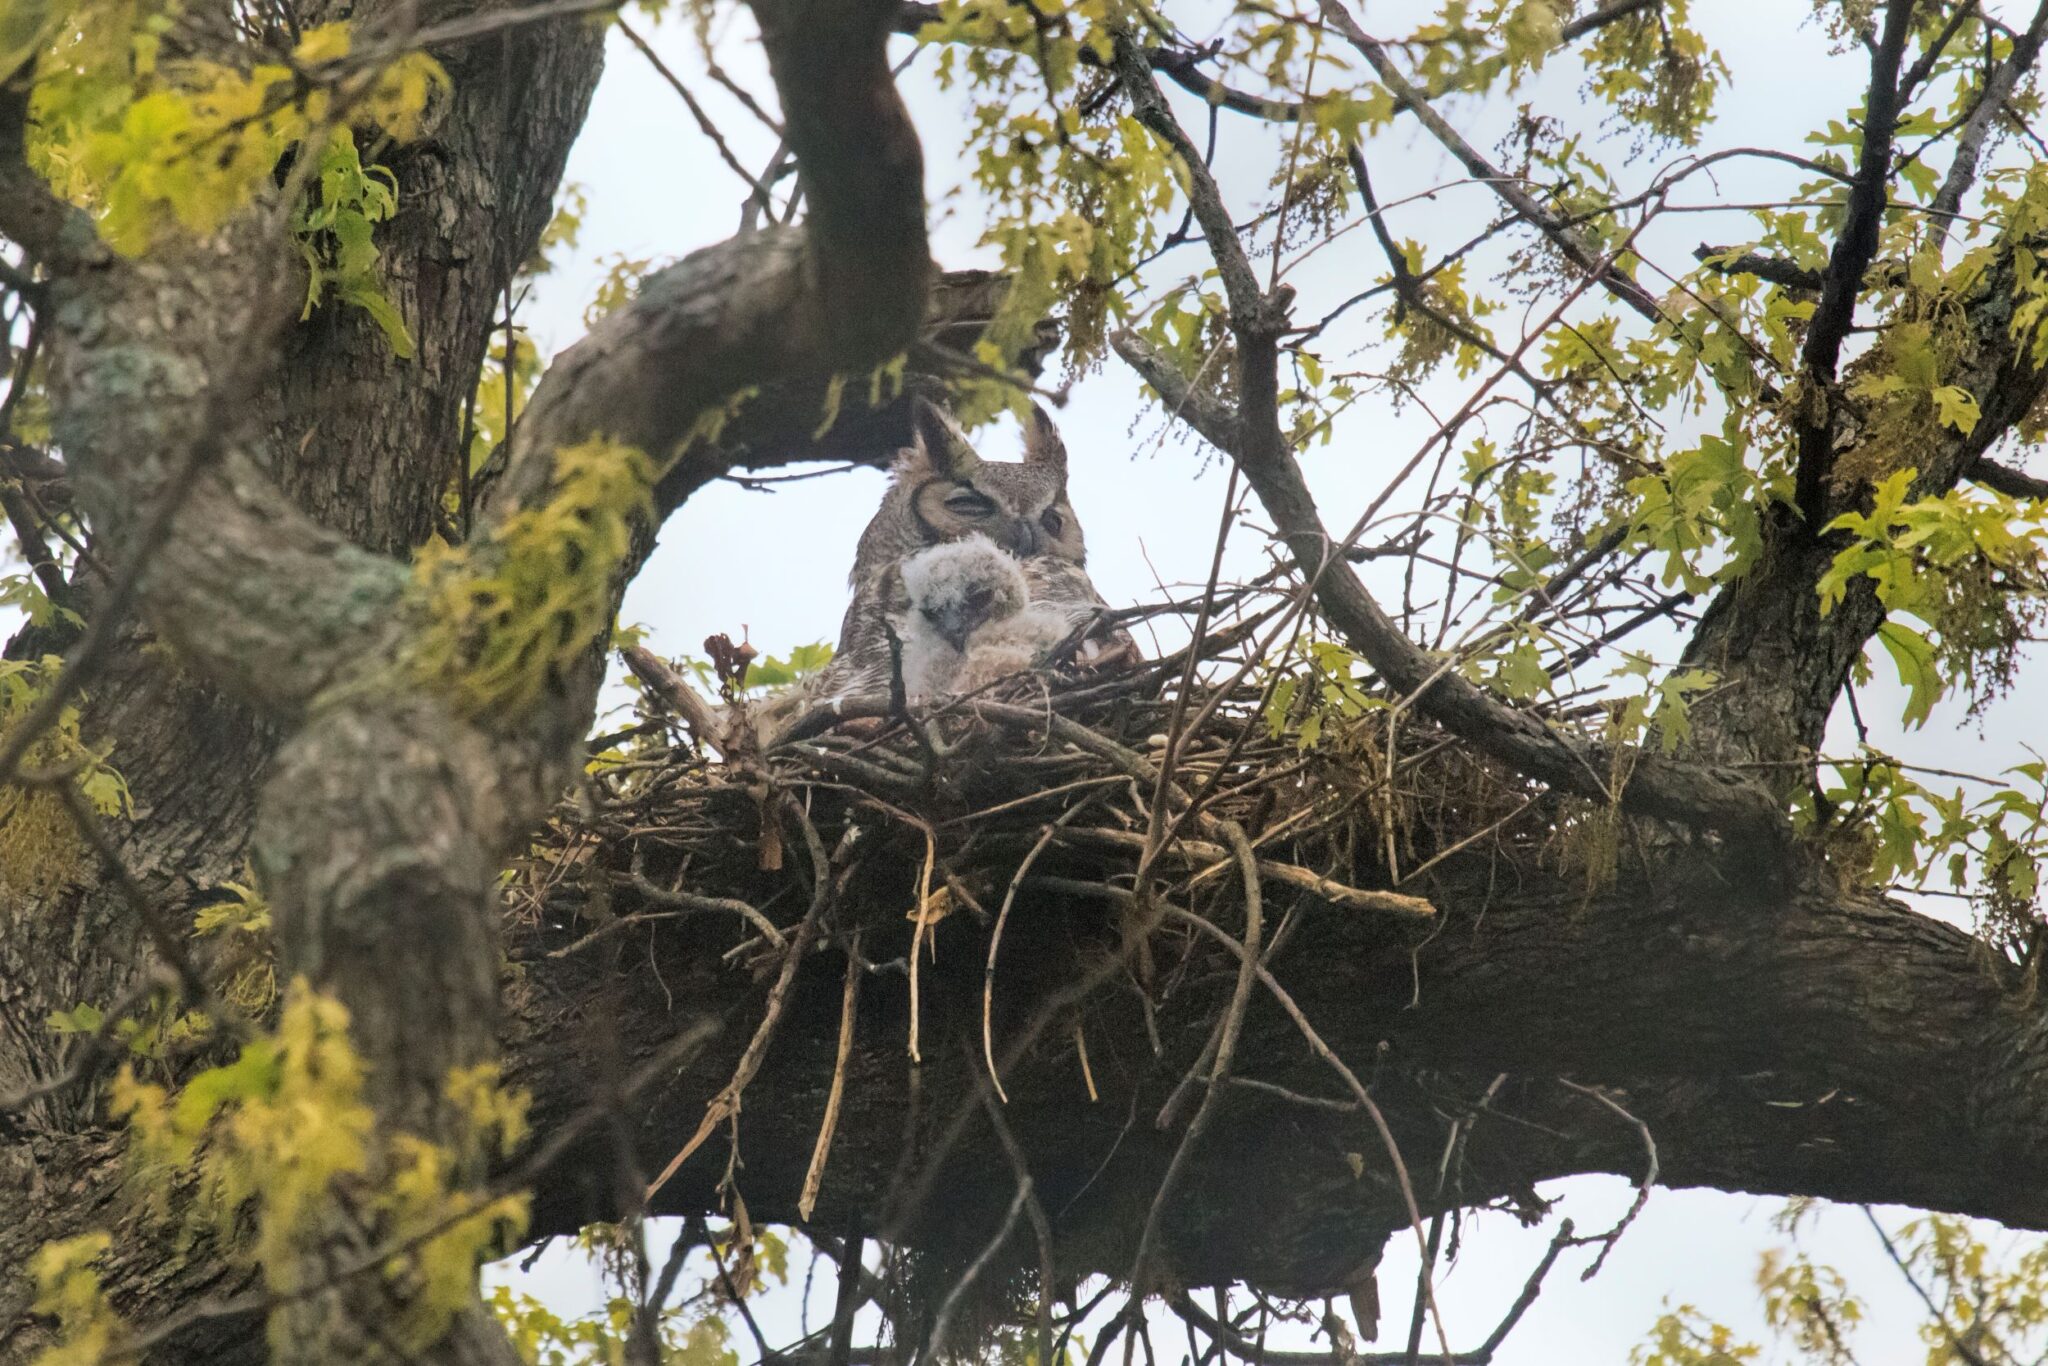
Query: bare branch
{"points": [[1184, 67], [1576, 246], [1962, 172], [1656, 786], [758, 192], [1605, 15], [1771, 269], [1923, 67], [1252, 437]]}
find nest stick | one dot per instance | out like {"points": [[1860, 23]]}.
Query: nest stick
{"points": [[1292, 874], [849, 1006]]}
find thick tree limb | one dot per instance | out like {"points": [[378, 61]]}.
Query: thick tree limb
{"points": [[2007, 480], [387, 814], [843, 294], [1781, 662], [1791, 1042], [361, 440], [153, 369]]}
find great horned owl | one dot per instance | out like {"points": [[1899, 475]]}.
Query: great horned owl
{"points": [[941, 491]]}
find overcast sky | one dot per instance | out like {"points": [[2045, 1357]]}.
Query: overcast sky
{"points": [[775, 564]]}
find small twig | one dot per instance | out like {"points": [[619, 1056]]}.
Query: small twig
{"points": [[1322, 1049], [1293, 875], [1081, 1052], [739, 1302], [673, 690], [944, 1321], [726, 1102], [756, 189], [692, 901], [1041, 1226], [849, 1007], [98, 1046], [1613, 1235], [1963, 1349], [988, 976], [923, 914], [1226, 1052], [995, 942]]}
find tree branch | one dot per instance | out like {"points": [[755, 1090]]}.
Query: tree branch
{"points": [[1687, 997], [842, 294], [1576, 246], [1607, 14], [1771, 269], [2007, 480], [1252, 437], [1781, 662], [1656, 787], [1962, 172], [1923, 66], [1184, 67], [30, 215], [1854, 248], [386, 814]]}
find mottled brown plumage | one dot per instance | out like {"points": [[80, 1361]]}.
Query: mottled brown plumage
{"points": [[942, 491]]}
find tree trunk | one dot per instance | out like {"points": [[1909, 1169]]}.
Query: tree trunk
{"points": [[365, 443]]}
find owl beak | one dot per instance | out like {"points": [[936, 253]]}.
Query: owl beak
{"points": [[1024, 540], [956, 630], [954, 622]]}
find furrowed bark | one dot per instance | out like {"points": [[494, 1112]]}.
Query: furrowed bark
{"points": [[1796, 1041], [1780, 661], [1855, 245], [386, 814], [473, 195]]}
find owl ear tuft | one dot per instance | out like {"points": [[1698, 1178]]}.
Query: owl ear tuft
{"points": [[1042, 444], [938, 448]]}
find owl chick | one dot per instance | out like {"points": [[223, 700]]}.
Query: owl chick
{"points": [[945, 598], [1010, 646]]}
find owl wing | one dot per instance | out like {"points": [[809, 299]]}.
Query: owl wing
{"points": [[1066, 585], [861, 664]]}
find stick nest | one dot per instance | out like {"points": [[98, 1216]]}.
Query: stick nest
{"points": [[1095, 789]]}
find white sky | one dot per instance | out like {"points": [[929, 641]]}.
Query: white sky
{"points": [[775, 564]]}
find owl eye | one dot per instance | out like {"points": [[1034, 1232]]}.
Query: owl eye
{"points": [[980, 598], [968, 503], [1052, 522]]}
